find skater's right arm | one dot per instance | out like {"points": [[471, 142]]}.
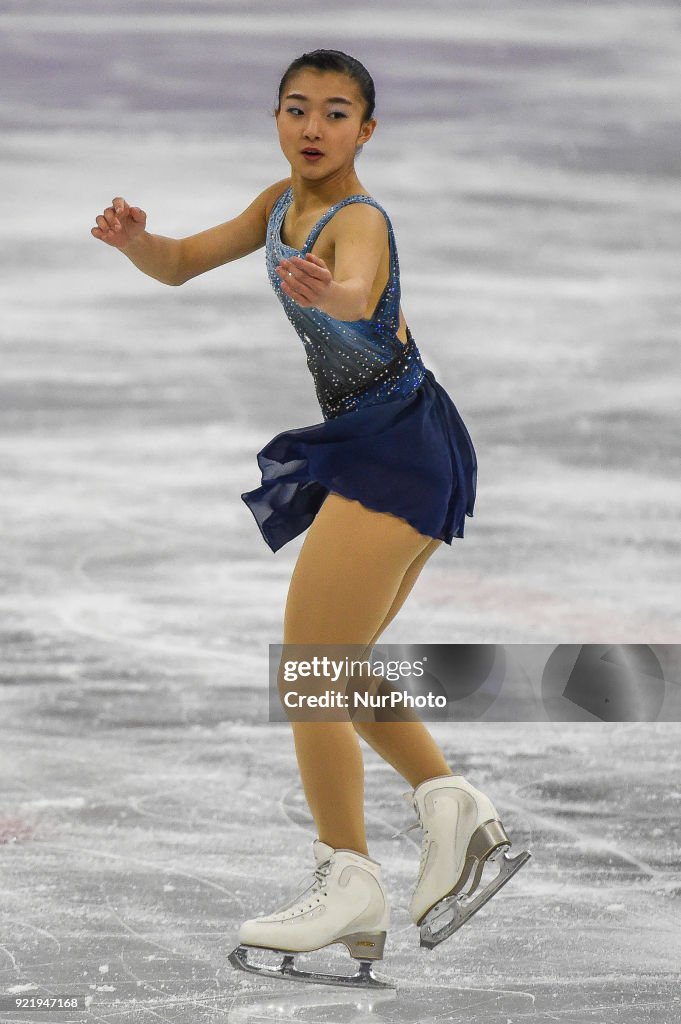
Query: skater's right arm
{"points": [[176, 260]]}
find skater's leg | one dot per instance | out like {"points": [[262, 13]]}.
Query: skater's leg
{"points": [[407, 746], [406, 586], [332, 772], [347, 575]]}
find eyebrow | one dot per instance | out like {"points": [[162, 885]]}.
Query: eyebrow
{"points": [[330, 99]]}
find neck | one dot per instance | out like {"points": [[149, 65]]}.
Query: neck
{"points": [[323, 192]]}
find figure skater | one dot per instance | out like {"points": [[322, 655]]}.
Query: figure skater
{"points": [[387, 476]]}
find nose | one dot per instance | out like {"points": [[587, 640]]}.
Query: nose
{"points": [[312, 127]]}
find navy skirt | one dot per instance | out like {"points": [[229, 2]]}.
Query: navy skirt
{"points": [[411, 457]]}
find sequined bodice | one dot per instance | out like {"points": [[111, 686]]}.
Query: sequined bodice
{"points": [[353, 362]]}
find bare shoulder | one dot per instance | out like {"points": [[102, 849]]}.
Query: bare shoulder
{"points": [[272, 194], [360, 244], [359, 221]]}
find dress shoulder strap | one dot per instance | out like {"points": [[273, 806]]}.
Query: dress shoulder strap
{"points": [[358, 198]]}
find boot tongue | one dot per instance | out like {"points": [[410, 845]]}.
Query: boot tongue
{"points": [[322, 851]]}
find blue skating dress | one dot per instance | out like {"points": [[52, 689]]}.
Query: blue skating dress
{"points": [[391, 438]]}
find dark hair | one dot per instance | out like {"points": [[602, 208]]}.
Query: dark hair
{"points": [[334, 60]]}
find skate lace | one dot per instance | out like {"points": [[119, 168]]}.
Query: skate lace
{"points": [[308, 884], [315, 881], [409, 797], [321, 873]]}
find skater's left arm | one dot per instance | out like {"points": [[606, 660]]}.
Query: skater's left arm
{"points": [[360, 237]]}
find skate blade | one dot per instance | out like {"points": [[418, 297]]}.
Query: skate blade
{"points": [[461, 909], [365, 977]]}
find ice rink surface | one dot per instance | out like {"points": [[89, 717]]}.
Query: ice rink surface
{"points": [[528, 156]]}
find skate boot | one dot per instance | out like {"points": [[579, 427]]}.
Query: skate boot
{"points": [[343, 902], [461, 834]]}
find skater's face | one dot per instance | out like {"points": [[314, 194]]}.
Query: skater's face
{"points": [[323, 110]]}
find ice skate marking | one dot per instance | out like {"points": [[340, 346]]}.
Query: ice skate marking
{"points": [[160, 868], [128, 928], [602, 845], [81, 627], [10, 956], [182, 818], [41, 931], [311, 1004]]}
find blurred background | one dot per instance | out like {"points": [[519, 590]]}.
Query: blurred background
{"points": [[528, 156]]}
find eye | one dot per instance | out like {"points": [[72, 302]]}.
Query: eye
{"points": [[333, 113]]}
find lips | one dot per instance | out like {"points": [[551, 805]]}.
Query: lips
{"points": [[312, 152]]}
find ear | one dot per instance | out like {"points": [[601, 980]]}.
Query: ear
{"points": [[367, 131]]}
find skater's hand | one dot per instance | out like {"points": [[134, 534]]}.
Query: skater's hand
{"points": [[120, 224], [308, 280]]}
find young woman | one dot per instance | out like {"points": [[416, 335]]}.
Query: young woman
{"points": [[387, 476]]}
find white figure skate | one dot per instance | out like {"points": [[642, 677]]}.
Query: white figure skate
{"points": [[461, 833], [344, 901]]}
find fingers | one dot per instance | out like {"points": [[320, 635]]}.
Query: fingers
{"points": [[123, 209], [109, 220], [104, 229], [298, 290], [302, 280], [318, 269], [297, 269]]}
